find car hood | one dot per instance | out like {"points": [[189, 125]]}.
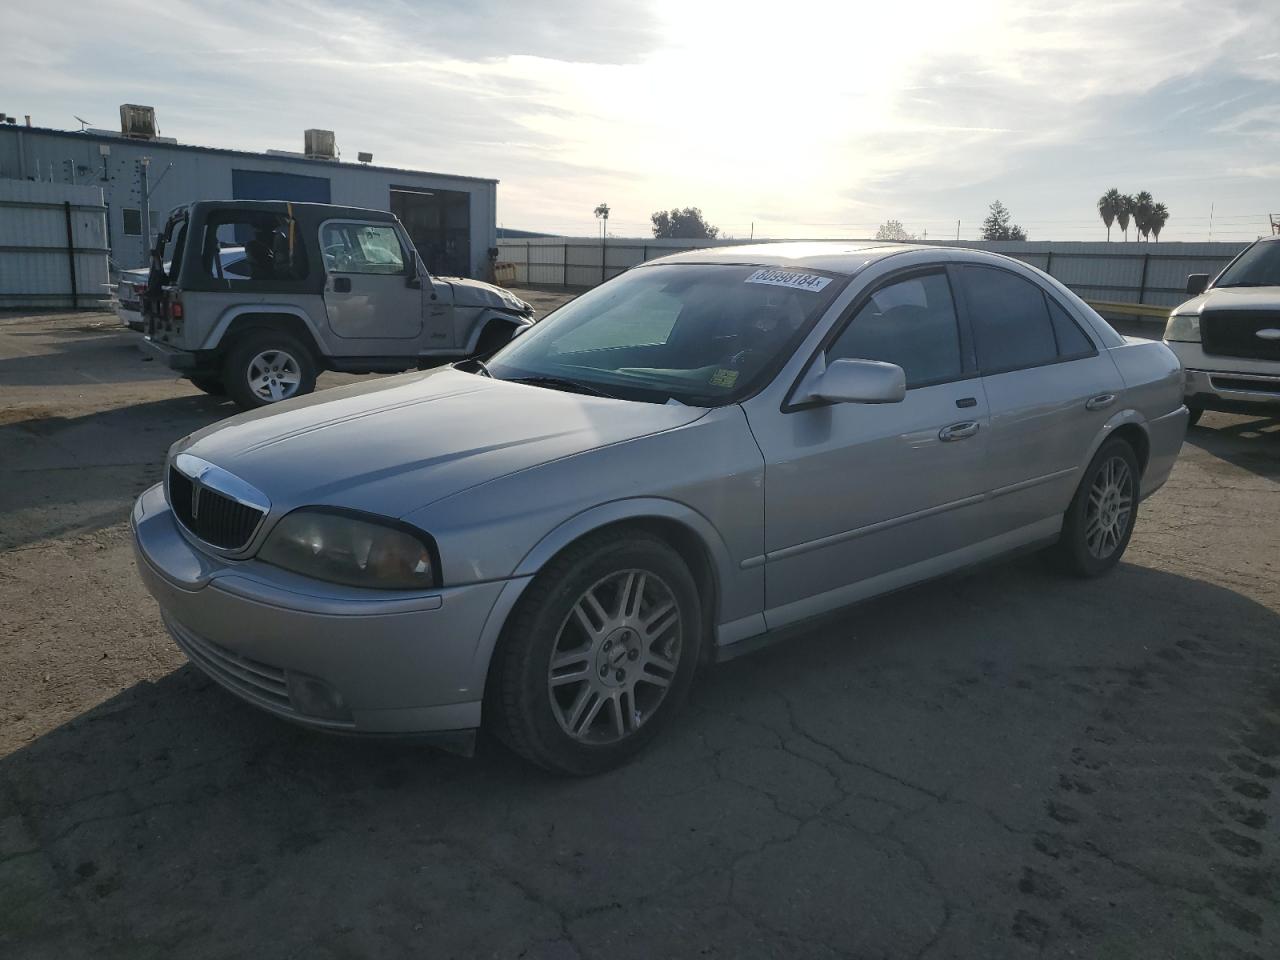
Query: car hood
{"points": [[475, 293], [1233, 298], [393, 445]]}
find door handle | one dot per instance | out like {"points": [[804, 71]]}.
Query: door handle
{"points": [[958, 431], [1100, 402], [341, 284]]}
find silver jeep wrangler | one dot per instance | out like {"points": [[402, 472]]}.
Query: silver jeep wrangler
{"points": [[321, 287]]}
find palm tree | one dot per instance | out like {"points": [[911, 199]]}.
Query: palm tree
{"points": [[1109, 205], [1124, 212], [1143, 204], [1159, 217]]}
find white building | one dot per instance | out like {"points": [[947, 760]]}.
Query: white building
{"points": [[452, 219]]}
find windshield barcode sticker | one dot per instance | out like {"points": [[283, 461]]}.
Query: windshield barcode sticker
{"points": [[786, 278]]}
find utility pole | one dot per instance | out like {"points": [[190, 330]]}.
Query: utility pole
{"points": [[957, 229], [1211, 221], [144, 205]]}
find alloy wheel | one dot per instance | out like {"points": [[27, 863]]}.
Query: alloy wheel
{"points": [[615, 657], [274, 375], [1109, 508]]}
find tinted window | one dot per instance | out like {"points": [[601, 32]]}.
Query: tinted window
{"points": [[132, 222], [362, 248], [1011, 326], [911, 323], [1072, 342]]}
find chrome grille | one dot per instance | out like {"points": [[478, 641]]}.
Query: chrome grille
{"points": [[216, 517]]}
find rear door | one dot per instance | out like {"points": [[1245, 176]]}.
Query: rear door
{"points": [[372, 291], [1049, 386]]}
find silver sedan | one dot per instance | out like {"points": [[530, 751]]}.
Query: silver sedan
{"points": [[668, 470]]}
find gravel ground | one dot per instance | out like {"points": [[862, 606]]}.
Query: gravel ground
{"points": [[1003, 764]]}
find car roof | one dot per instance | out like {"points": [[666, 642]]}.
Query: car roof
{"points": [[831, 256]]}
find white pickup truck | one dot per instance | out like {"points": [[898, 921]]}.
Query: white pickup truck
{"points": [[1228, 335]]}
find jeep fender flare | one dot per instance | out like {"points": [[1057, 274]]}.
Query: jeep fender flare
{"points": [[265, 311], [490, 316]]}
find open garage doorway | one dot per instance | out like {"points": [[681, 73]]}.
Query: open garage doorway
{"points": [[439, 221]]}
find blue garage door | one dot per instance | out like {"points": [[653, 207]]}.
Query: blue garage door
{"points": [[260, 185]]}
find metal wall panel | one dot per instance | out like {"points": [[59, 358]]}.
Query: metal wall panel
{"points": [[35, 262]]}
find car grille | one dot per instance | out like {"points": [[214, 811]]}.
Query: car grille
{"points": [[1249, 384], [253, 680], [212, 516], [1233, 333]]}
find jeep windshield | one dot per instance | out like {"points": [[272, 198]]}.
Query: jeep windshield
{"points": [[1259, 266], [701, 334]]}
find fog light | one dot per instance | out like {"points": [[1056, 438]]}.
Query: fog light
{"points": [[315, 698]]}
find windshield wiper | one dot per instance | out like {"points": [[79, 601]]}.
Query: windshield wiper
{"points": [[562, 383]]}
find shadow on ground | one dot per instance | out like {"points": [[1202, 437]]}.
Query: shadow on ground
{"points": [[1003, 764], [1250, 443]]}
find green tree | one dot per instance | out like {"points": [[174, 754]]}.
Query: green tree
{"points": [[686, 224], [1125, 211], [1143, 204], [1109, 205], [894, 230], [999, 225], [1159, 217]]}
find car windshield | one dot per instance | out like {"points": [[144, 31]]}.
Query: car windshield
{"points": [[701, 334], [1259, 266]]}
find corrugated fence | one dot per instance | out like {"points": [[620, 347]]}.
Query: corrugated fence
{"points": [[53, 245], [1152, 274]]}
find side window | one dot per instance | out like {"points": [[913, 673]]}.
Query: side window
{"points": [[911, 323], [362, 248], [132, 221], [1072, 342], [1011, 325], [253, 248]]}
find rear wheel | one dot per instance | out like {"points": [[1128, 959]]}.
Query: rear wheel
{"points": [[1099, 522], [598, 655], [1196, 413], [267, 366]]}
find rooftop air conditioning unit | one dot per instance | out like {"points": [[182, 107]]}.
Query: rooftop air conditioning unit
{"points": [[137, 122], [320, 144]]}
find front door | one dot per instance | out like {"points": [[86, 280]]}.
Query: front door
{"points": [[857, 495], [372, 291], [1050, 388]]}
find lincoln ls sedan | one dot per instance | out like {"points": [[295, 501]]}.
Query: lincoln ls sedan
{"points": [[667, 471]]}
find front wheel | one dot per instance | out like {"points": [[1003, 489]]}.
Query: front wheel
{"points": [[598, 655], [266, 367], [210, 385], [1099, 522]]}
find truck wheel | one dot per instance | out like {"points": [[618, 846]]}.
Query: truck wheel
{"points": [[266, 367], [210, 385]]}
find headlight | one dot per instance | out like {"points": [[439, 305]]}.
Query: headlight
{"points": [[358, 551], [1183, 329]]}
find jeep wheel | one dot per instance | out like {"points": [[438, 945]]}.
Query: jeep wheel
{"points": [[494, 338], [267, 367]]}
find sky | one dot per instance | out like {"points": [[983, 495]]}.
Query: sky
{"points": [[801, 119]]}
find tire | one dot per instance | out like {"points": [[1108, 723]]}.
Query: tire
{"points": [[210, 385], [249, 364], [1196, 414], [1098, 524], [586, 715], [494, 337]]}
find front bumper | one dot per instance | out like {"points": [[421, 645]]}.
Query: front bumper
{"points": [[397, 663], [1216, 382]]}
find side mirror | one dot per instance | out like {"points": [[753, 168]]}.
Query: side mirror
{"points": [[1197, 283], [860, 381]]}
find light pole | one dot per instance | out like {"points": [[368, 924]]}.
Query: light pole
{"points": [[602, 214]]}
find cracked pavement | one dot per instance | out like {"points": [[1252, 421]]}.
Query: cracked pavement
{"points": [[1000, 764]]}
